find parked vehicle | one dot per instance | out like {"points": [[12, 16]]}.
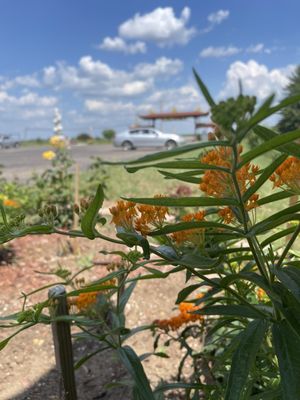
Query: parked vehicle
{"points": [[7, 141], [147, 137]]}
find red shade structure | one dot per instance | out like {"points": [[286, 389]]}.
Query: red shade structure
{"points": [[173, 115]]}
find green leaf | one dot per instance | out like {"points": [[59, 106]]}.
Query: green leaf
{"points": [[126, 295], [189, 178], [197, 261], [4, 342], [85, 358], [290, 278], [292, 149], [268, 395], [265, 112], [282, 233], [179, 164], [134, 239], [244, 358], [275, 197], [180, 385], [287, 347], [204, 89], [237, 311], [264, 177], [269, 224], [181, 226], [184, 201], [134, 366], [271, 144], [89, 219], [184, 293], [171, 153]]}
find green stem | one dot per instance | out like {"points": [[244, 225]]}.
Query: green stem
{"points": [[288, 246]]}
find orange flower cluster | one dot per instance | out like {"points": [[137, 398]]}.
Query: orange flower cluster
{"points": [[141, 217], [194, 236], [84, 300], [184, 317], [11, 203], [261, 294], [123, 214], [219, 184], [287, 174]]}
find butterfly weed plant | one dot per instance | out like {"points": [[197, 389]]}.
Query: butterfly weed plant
{"points": [[242, 293]]}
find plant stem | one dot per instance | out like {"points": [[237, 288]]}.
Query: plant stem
{"points": [[288, 246]]}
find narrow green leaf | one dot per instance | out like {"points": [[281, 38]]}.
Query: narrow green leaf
{"points": [[184, 293], [287, 347], [85, 358], [204, 89], [89, 219], [268, 224], [134, 239], [265, 112], [182, 177], [290, 278], [184, 201], [178, 164], [134, 366], [170, 153], [271, 144], [275, 197], [126, 295], [278, 235], [244, 358], [237, 311], [292, 149]]}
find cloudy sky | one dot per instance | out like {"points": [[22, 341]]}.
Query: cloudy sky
{"points": [[103, 63]]}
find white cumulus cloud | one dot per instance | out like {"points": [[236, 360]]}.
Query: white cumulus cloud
{"points": [[258, 48], [218, 17], [120, 45], [215, 18], [257, 79], [162, 66], [217, 52], [160, 26]]}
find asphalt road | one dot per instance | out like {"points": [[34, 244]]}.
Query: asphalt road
{"points": [[21, 162]]}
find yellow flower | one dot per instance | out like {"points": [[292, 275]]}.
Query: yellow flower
{"points": [[58, 141], [49, 155]]}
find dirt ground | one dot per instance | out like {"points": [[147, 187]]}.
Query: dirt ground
{"points": [[27, 363]]}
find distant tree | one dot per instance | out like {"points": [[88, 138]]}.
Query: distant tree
{"points": [[84, 137], [290, 116], [109, 134]]}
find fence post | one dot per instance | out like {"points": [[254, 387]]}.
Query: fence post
{"points": [[62, 342]]}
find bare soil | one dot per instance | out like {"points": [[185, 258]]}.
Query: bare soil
{"points": [[27, 363]]}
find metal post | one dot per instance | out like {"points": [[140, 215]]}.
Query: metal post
{"points": [[62, 342]]}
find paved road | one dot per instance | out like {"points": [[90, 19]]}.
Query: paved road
{"points": [[21, 162]]}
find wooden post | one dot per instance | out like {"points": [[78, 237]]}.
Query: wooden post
{"points": [[62, 342], [76, 194]]}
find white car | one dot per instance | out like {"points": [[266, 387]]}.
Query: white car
{"points": [[147, 137]]}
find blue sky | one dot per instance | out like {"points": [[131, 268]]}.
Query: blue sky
{"points": [[103, 63]]}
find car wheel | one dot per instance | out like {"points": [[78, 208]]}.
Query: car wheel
{"points": [[170, 144], [127, 146]]}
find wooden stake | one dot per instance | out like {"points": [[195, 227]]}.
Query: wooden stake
{"points": [[62, 342]]}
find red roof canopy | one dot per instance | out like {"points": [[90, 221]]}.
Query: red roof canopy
{"points": [[174, 115]]}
